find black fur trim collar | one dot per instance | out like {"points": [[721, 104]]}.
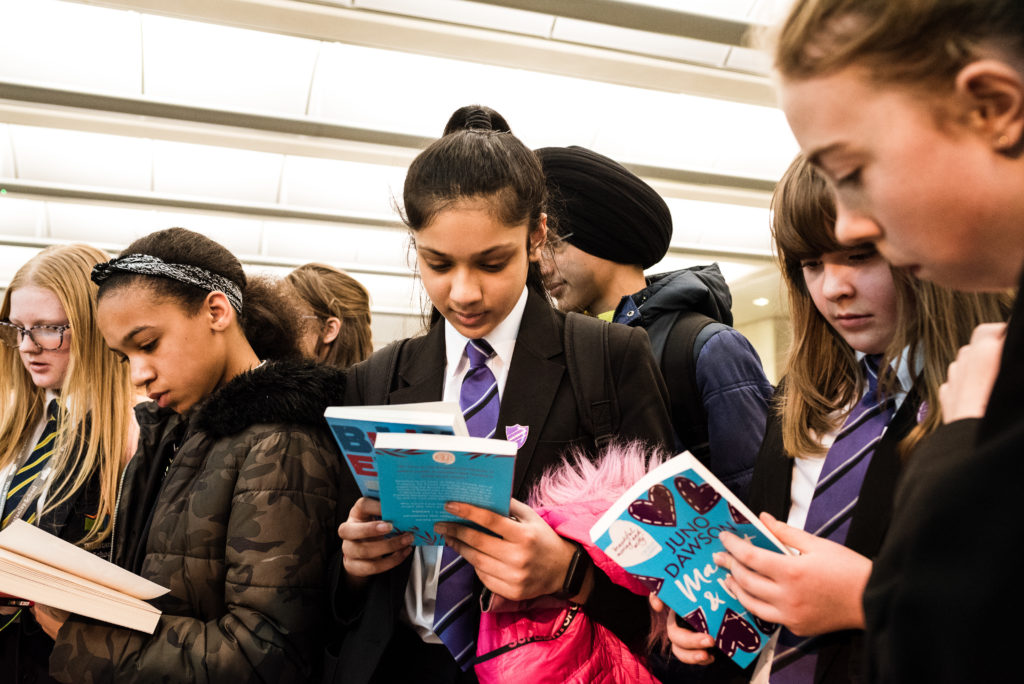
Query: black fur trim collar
{"points": [[294, 392]]}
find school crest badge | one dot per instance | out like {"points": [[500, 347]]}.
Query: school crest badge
{"points": [[517, 434]]}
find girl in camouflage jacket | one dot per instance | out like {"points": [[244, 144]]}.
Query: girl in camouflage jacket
{"points": [[230, 499]]}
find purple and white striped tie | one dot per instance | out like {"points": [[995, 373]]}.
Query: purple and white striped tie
{"points": [[456, 618], [831, 510]]}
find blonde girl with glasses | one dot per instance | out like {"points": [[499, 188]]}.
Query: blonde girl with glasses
{"points": [[66, 426]]}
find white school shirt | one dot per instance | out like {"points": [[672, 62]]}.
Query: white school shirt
{"points": [[421, 591], [807, 469]]}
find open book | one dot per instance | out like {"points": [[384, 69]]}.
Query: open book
{"points": [[39, 567], [420, 473], [664, 530], [355, 429]]}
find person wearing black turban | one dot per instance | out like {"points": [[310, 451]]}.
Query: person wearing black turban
{"points": [[609, 226]]}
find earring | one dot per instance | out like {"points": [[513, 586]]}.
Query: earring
{"points": [[1003, 142]]}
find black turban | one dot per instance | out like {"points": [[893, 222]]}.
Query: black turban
{"points": [[603, 209]]}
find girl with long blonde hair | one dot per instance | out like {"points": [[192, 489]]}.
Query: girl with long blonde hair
{"points": [[66, 419]]}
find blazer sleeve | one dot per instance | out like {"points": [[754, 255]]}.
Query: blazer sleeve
{"points": [[281, 531]]}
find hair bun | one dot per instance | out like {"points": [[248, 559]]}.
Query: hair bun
{"points": [[476, 118]]}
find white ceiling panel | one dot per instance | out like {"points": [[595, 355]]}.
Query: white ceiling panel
{"points": [[71, 45], [308, 241], [728, 9], [7, 167], [467, 13], [768, 12], [222, 172], [352, 186], [62, 156], [375, 246], [242, 236], [21, 217], [391, 291], [95, 223], [747, 59], [416, 94], [11, 259], [756, 143], [227, 67], [711, 225], [731, 270], [643, 42]]}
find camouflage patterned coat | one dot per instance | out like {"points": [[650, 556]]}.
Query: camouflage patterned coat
{"points": [[241, 529]]}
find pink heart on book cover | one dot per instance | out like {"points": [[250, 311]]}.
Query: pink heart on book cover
{"points": [[736, 633], [738, 517], [697, 620], [659, 510], [652, 583], [702, 498]]}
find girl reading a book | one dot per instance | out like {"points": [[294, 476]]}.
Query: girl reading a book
{"points": [[915, 111], [231, 499], [474, 202], [870, 348], [65, 423]]}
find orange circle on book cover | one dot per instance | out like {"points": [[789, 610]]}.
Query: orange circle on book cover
{"points": [[445, 457]]}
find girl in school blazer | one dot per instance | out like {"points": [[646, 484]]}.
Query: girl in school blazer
{"points": [[474, 202], [845, 303]]}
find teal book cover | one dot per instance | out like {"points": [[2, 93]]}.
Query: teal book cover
{"points": [[664, 530], [355, 429], [419, 474]]}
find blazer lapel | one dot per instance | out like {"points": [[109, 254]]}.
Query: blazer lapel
{"points": [[533, 380], [421, 371]]}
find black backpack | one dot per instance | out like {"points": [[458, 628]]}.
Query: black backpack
{"points": [[684, 330]]}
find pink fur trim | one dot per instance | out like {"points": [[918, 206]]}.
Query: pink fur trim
{"points": [[578, 478]]}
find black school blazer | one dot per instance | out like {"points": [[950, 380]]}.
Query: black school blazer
{"points": [[537, 394], [839, 659]]}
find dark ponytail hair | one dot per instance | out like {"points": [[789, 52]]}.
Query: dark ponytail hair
{"points": [[269, 320], [477, 158]]}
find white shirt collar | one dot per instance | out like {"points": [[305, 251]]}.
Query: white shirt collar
{"points": [[502, 339]]}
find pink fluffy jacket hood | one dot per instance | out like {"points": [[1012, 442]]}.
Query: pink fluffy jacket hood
{"points": [[550, 640]]}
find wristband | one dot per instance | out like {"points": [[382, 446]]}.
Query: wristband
{"points": [[575, 574]]}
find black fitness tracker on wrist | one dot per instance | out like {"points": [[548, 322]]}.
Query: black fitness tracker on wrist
{"points": [[576, 574]]}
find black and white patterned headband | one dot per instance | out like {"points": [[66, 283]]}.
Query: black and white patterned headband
{"points": [[144, 264]]}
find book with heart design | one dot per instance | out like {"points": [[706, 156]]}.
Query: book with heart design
{"points": [[664, 530]]}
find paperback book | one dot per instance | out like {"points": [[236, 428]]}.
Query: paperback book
{"points": [[664, 530], [355, 429], [36, 566], [419, 473]]}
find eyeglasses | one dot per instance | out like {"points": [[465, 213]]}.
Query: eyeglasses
{"points": [[46, 337]]}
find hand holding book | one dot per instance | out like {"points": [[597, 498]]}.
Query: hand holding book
{"points": [[816, 592]]}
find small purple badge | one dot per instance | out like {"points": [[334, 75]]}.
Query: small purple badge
{"points": [[517, 434], [922, 411]]}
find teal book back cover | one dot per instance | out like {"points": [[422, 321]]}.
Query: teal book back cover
{"points": [[418, 474], [664, 531]]}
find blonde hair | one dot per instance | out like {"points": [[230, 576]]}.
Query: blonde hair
{"points": [[915, 42], [96, 393], [332, 292], [822, 375]]}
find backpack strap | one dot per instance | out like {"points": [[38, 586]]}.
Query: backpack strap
{"points": [[686, 330], [596, 399]]}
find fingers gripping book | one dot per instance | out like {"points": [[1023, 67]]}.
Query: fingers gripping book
{"points": [[664, 530]]}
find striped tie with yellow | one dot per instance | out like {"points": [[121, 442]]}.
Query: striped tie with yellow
{"points": [[33, 468]]}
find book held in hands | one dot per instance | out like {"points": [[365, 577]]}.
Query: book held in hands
{"points": [[355, 429], [37, 566], [664, 530], [420, 473]]}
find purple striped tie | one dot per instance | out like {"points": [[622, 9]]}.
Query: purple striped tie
{"points": [[456, 618], [831, 509]]}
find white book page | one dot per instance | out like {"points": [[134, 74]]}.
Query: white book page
{"points": [[483, 445], [422, 413], [31, 542]]}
